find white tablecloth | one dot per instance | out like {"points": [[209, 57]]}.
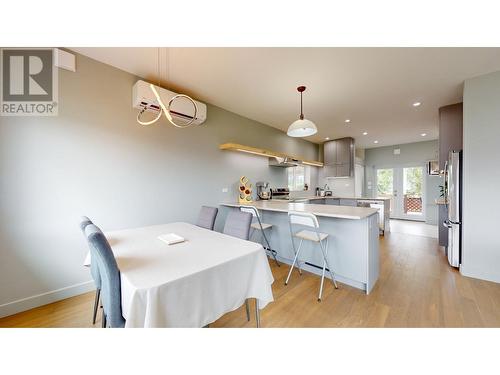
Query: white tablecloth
{"points": [[190, 284]]}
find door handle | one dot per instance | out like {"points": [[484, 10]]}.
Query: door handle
{"points": [[446, 224]]}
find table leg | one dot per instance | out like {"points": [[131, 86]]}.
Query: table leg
{"points": [[257, 313]]}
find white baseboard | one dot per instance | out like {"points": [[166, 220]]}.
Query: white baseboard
{"points": [[28, 303], [317, 271]]}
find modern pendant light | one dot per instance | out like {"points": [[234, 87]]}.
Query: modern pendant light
{"points": [[166, 109], [302, 127]]}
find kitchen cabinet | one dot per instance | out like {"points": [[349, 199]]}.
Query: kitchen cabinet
{"points": [[348, 202], [333, 201], [330, 153], [450, 139], [339, 157], [450, 131]]}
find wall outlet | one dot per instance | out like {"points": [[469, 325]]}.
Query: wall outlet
{"points": [[397, 151], [225, 190]]}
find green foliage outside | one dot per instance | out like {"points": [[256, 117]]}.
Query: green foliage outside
{"points": [[412, 181], [384, 181]]}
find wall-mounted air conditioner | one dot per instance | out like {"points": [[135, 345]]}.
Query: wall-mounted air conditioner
{"points": [[143, 98]]}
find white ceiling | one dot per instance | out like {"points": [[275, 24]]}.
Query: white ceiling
{"points": [[374, 87]]}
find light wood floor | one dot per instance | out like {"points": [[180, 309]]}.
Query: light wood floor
{"points": [[416, 288]]}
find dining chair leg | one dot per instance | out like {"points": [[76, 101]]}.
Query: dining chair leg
{"points": [[96, 304], [104, 323], [247, 307], [257, 313], [293, 264]]}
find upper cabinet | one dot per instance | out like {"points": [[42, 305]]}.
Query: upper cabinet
{"points": [[450, 131], [330, 153], [339, 157]]}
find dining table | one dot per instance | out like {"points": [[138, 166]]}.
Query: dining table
{"points": [[188, 284]]}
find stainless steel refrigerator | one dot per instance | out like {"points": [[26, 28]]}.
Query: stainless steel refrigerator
{"points": [[453, 178]]}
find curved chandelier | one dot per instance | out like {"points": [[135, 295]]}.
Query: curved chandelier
{"points": [[166, 109], [301, 127]]}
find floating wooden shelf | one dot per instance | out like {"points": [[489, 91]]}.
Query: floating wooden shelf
{"points": [[266, 153]]}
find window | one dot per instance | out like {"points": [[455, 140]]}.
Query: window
{"points": [[297, 177]]}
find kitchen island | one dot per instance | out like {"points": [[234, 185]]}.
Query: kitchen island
{"points": [[353, 245], [381, 203]]}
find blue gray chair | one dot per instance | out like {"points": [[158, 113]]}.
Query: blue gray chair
{"points": [[238, 225], [110, 277], [84, 222], [206, 217]]}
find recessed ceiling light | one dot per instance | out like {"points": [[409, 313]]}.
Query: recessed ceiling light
{"points": [[375, 141], [327, 138], [347, 121], [417, 104], [423, 134], [365, 133]]}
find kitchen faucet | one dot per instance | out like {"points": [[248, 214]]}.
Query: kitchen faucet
{"points": [[326, 187]]}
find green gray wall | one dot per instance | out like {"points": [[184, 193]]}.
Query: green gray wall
{"points": [[481, 159], [95, 160], [418, 152]]}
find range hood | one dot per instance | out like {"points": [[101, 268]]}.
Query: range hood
{"points": [[285, 162]]}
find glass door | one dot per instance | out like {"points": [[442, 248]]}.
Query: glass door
{"points": [[412, 197], [404, 186], [385, 186]]}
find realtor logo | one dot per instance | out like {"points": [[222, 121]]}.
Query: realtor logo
{"points": [[29, 82]]}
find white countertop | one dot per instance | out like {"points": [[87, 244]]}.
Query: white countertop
{"points": [[313, 197], [341, 212]]}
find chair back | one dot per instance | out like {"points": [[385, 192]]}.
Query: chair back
{"points": [[110, 275], [303, 218], [94, 271], [84, 221], [206, 217], [251, 210], [238, 224]]}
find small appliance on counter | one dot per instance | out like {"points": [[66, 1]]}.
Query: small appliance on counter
{"points": [[280, 193], [262, 190]]}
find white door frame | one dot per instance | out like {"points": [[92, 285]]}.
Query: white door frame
{"points": [[398, 210]]}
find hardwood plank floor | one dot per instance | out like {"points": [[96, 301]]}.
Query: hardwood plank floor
{"points": [[416, 288]]}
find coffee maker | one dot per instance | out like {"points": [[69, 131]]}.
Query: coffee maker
{"points": [[262, 190]]}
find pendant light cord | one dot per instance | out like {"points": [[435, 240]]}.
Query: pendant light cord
{"points": [[301, 112]]}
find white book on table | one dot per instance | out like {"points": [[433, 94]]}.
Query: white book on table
{"points": [[171, 238]]}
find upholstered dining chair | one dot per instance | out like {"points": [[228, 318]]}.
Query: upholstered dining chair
{"points": [[206, 217], [238, 225], [84, 222], [110, 277]]}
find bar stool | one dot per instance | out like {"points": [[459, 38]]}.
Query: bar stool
{"points": [[260, 226], [313, 234]]}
